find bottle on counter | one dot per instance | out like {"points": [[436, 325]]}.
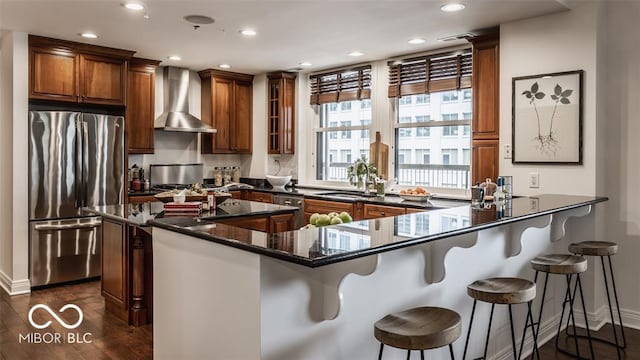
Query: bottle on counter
{"points": [[236, 174], [499, 195], [489, 187], [217, 176]]}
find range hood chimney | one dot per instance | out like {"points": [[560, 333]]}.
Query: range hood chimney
{"points": [[176, 116]]}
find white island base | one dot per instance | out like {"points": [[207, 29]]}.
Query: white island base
{"points": [[213, 301]]}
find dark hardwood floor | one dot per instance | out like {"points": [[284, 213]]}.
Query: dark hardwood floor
{"points": [[113, 339]]}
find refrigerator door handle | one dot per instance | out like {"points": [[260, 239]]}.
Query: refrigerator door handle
{"points": [[78, 165], [85, 162], [48, 227]]}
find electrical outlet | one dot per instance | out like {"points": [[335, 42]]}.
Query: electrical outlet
{"points": [[507, 151], [534, 180]]}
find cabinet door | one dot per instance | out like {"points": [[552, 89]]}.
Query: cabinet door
{"points": [[287, 111], [102, 80], [221, 98], [52, 75], [281, 223], [114, 281], [140, 110], [242, 120], [485, 160]]}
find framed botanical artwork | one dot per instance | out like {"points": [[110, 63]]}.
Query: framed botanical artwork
{"points": [[547, 118]]}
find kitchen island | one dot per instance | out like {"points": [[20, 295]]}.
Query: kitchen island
{"points": [[127, 254], [315, 293]]}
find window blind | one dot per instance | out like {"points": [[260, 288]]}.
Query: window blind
{"points": [[426, 74], [343, 85]]}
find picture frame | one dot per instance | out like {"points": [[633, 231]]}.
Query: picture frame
{"points": [[547, 118]]}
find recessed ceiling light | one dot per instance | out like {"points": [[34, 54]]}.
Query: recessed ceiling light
{"points": [[174, 57], [225, 66], [89, 35], [356, 53], [248, 32], [305, 63], [452, 7], [135, 6], [416, 41]]}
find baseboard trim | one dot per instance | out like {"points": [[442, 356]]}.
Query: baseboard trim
{"points": [[14, 287]]}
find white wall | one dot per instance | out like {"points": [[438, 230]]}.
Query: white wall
{"points": [[554, 43], [14, 235], [621, 167]]}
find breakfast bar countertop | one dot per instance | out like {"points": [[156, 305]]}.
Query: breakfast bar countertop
{"points": [[316, 247]]}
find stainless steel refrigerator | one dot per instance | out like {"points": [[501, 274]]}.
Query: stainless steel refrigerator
{"points": [[75, 160]]}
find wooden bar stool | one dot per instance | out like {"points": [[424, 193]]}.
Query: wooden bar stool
{"points": [[421, 328], [602, 249], [507, 291], [568, 265]]}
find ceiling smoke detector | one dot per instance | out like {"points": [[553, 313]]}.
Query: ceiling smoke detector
{"points": [[199, 19]]}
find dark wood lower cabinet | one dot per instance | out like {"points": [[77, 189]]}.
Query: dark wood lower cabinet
{"points": [[127, 277]]}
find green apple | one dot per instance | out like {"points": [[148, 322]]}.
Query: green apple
{"points": [[336, 220], [345, 217], [332, 214], [323, 220], [314, 218]]}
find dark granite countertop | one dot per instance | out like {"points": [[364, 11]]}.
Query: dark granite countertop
{"points": [[327, 245], [141, 214]]}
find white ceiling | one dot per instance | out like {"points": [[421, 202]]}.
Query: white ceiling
{"points": [[289, 32]]}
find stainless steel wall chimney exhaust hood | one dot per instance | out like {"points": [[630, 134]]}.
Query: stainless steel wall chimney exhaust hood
{"points": [[176, 116]]}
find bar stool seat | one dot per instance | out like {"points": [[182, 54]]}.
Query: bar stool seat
{"points": [[560, 264], [420, 328], [503, 291], [594, 248]]}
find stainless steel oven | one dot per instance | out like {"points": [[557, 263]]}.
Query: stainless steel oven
{"points": [[65, 250], [292, 200]]}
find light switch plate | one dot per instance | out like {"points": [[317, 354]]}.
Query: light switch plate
{"points": [[534, 180], [507, 151]]}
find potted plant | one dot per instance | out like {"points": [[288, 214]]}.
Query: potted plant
{"points": [[360, 171]]}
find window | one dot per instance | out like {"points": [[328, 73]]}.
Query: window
{"points": [[339, 139], [365, 132], [423, 99], [405, 100], [450, 131], [448, 117], [424, 155], [403, 224], [436, 160], [449, 156], [345, 106], [364, 153], [450, 96], [422, 224], [333, 107], [466, 130], [345, 156], [365, 104], [466, 115], [404, 156], [466, 156], [466, 95]]}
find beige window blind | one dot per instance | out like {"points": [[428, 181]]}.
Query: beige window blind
{"points": [[342, 85], [426, 74]]}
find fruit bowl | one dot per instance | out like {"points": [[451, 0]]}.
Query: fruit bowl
{"points": [[418, 198], [278, 181]]}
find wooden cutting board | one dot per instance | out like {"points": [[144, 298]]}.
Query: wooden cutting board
{"points": [[379, 153]]}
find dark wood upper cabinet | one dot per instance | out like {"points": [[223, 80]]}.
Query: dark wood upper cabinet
{"points": [[281, 121], [227, 103], [486, 106], [140, 113], [75, 72]]}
